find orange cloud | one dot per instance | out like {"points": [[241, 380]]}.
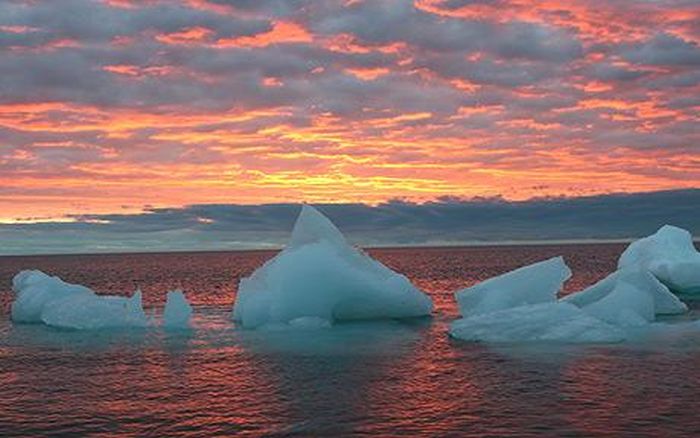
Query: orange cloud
{"points": [[367, 74], [428, 117], [281, 32], [187, 36], [136, 71]]}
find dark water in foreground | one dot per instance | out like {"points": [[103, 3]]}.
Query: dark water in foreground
{"points": [[380, 378]]}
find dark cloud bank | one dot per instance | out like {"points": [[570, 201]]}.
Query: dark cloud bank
{"points": [[448, 221]]}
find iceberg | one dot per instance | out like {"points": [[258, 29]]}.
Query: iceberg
{"points": [[626, 305], [35, 291], [544, 322], [670, 255], [45, 299], [521, 306], [664, 302], [319, 279], [177, 311], [91, 312], [532, 284]]}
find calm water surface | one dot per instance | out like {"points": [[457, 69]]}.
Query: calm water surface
{"points": [[379, 378]]}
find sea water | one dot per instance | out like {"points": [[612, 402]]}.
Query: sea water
{"points": [[384, 378]]}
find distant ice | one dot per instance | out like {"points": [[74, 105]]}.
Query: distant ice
{"points": [[532, 284], [319, 278], [177, 311], [44, 299], [670, 255]]}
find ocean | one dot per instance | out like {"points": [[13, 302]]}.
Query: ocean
{"points": [[383, 378]]}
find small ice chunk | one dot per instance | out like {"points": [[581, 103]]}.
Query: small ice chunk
{"points": [[91, 312], [665, 302], [177, 311], [670, 255], [319, 275], [544, 322], [532, 284]]}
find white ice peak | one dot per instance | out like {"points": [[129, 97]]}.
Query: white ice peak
{"points": [[312, 227]]}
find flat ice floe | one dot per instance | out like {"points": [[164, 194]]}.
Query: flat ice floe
{"points": [[319, 278], [532, 284], [41, 298], [670, 255]]}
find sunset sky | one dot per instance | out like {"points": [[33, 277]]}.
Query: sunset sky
{"points": [[117, 106]]}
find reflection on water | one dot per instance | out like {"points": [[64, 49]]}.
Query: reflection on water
{"points": [[383, 378]]}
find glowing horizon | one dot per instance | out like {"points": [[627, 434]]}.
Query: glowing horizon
{"points": [[187, 102]]}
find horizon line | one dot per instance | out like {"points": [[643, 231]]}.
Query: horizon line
{"points": [[435, 245]]}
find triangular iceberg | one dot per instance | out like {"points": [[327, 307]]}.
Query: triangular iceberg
{"points": [[670, 255], [320, 276]]}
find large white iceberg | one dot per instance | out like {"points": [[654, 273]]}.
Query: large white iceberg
{"points": [[49, 300], [544, 322], [177, 311], [664, 302], [670, 255], [532, 284], [320, 277]]}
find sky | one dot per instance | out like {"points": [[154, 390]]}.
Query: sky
{"points": [[126, 107]]}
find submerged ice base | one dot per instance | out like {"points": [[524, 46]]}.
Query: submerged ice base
{"points": [[320, 278], [49, 300]]}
